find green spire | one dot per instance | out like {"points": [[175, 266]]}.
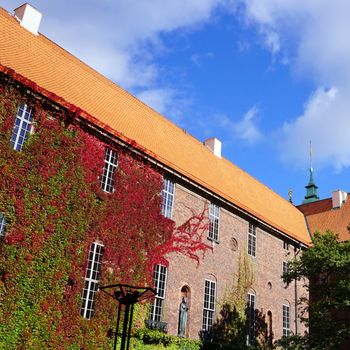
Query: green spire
{"points": [[311, 188]]}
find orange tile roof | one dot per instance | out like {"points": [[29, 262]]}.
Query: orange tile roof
{"points": [[55, 71], [321, 217]]}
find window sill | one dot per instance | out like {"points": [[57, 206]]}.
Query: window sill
{"points": [[213, 240]]}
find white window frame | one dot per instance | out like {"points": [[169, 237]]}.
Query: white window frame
{"points": [[168, 193], [214, 221], [286, 320], [2, 225], [209, 301], [160, 275], [285, 245], [251, 318], [91, 280], [251, 240], [108, 175], [22, 126]]}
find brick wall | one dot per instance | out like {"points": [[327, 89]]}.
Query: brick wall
{"points": [[221, 264]]}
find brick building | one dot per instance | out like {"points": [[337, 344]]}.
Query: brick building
{"points": [[245, 215]]}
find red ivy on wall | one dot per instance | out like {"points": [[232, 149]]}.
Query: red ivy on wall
{"points": [[55, 208]]}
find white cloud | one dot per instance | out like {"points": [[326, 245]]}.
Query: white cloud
{"points": [[243, 45], [272, 41], [198, 58], [158, 99], [326, 122], [246, 129], [313, 37], [166, 101]]}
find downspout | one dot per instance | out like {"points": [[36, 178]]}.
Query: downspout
{"points": [[297, 251]]}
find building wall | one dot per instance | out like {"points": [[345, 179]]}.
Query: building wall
{"points": [[221, 265]]}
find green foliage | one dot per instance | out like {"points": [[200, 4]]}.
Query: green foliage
{"points": [[243, 281], [158, 340], [55, 208], [230, 329], [293, 342], [326, 265]]}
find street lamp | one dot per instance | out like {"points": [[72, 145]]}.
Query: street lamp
{"points": [[128, 296]]}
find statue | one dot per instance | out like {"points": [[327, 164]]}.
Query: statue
{"points": [[182, 317]]}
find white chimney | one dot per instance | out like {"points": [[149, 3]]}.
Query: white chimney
{"points": [[338, 198], [214, 145], [28, 17]]}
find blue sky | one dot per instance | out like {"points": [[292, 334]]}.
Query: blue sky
{"points": [[263, 76]]}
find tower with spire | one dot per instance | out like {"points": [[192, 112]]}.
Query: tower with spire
{"points": [[311, 188]]}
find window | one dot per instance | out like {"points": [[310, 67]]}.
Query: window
{"points": [[107, 179], [285, 267], [159, 279], [91, 280], [209, 304], [167, 198], [251, 319], [214, 212], [2, 225], [285, 245], [22, 127], [286, 320], [252, 240]]}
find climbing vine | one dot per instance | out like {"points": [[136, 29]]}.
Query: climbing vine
{"points": [[54, 208], [230, 329]]}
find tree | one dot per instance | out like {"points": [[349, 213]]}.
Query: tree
{"points": [[326, 265]]}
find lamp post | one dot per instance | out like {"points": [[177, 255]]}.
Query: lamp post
{"points": [[128, 296]]}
